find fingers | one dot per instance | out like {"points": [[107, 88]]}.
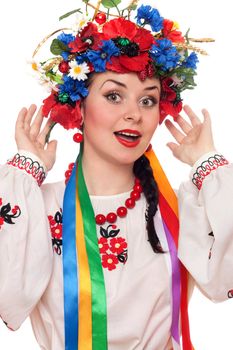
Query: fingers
{"points": [[44, 132], [192, 116], [183, 124], [28, 117], [177, 134], [34, 128]]}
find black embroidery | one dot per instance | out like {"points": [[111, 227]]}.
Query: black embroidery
{"points": [[30, 166], [7, 213], [206, 167], [55, 223]]}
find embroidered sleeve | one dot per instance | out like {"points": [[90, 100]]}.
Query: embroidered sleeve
{"points": [[29, 163], [206, 231], [25, 245], [204, 166]]}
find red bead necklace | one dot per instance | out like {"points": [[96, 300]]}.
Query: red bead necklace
{"points": [[121, 212]]}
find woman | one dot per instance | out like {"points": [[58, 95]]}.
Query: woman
{"points": [[117, 279]]}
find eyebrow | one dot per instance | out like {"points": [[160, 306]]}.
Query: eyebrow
{"points": [[123, 85]]}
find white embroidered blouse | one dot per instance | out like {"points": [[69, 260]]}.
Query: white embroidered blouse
{"points": [[138, 281]]}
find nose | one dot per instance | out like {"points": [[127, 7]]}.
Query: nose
{"points": [[132, 112]]}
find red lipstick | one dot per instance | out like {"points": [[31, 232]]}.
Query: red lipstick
{"points": [[128, 138]]}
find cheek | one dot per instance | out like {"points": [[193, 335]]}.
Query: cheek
{"points": [[153, 122]]}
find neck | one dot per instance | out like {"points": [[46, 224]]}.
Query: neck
{"points": [[103, 177]]}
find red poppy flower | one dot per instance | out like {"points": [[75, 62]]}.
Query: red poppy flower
{"points": [[57, 231], [89, 37], [169, 108], [103, 245], [117, 245], [168, 93], [66, 115], [172, 34], [125, 29], [109, 261]]}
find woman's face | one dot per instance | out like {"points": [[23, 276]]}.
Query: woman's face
{"points": [[120, 115]]}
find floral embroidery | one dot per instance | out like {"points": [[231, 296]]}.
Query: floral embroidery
{"points": [[113, 249], [7, 213], [55, 223]]}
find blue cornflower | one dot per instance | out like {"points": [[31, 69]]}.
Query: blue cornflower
{"points": [[66, 38], [74, 88], [191, 61], [103, 55], [165, 54], [148, 15]]}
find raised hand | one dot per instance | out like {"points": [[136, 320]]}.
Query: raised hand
{"points": [[30, 136], [194, 139]]}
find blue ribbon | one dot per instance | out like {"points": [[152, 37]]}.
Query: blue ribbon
{"points": [[70, 278]]}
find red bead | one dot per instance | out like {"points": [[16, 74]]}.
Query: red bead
{"points": [[67, 173], [111, 218], [78, 137], [130, 203], [135, 195], [71, 165], [137, 188], [122, 212], [100, 18], [137, 181], [100, 219], [64, 67]]}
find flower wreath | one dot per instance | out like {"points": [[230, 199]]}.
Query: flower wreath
{"points": [[151, 46]]}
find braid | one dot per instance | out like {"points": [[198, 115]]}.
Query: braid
{"points": [[142, 170]]}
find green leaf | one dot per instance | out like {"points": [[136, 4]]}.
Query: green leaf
{"points": [[69, 13], [55, 77], [110, 3], [57, 47]]}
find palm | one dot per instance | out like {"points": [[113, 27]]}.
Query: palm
{"points": [[194, 139], [31, 138]]}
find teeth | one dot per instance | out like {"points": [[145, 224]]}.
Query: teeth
{"points": [[127, 134]]}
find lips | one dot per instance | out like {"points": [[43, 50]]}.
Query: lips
{"points": [[128, 137]]}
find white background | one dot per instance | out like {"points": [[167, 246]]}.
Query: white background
{"points": [[24, 23]]}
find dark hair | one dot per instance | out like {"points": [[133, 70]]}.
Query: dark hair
{"points": [[142, 170]]}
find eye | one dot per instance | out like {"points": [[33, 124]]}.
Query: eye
{"points": [[113, 97], [148, 101]]}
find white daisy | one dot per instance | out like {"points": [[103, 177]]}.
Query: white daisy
{"points": [[78, 71], [80, 22]]}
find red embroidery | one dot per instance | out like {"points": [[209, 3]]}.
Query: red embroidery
{"points": [[31, 167], [112, 249], [206, 167], [7, 214], [55, 223]]}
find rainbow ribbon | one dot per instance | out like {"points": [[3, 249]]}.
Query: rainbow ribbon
{"points": [[85, 309]]}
